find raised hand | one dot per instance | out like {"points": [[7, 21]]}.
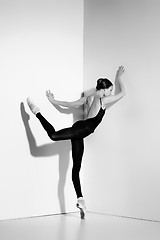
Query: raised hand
{"points": [[120, 71], [50, 96]]}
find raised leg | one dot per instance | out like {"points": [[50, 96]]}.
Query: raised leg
{"points": [[79, 130], [63, 134]]}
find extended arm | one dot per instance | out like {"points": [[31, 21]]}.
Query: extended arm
{"points": [[77, 103], [119, 88]]}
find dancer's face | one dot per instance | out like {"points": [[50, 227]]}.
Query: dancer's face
{"points": [[108, 91]]}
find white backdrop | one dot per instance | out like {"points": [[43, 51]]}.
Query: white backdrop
{"points": [[41, 47], [122, 158]]}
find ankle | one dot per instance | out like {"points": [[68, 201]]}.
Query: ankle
{"points": [[38, 114], [80, 198]]}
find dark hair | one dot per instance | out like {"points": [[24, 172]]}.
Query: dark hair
{"points": [[103, 83]]}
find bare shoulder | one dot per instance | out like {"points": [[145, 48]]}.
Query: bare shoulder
{"points": [[113, 98], [89, 92]]}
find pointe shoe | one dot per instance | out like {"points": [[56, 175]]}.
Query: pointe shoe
{"points": [[81, 205], [32, 106]]}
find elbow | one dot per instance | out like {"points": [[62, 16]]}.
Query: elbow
{"points": [[124, 93]]}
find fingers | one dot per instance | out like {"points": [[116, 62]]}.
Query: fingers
{"points": [[120, 69], [49, 94]]}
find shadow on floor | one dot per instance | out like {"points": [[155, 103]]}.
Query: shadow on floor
{"points": [[60, 148]]}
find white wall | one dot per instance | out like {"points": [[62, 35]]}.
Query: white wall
{"points": [[122, 158], [41, 47]]}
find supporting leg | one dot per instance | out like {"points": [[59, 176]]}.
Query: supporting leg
{"points": [[77, 154]]}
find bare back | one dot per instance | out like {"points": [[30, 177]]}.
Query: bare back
{"points": [[94, 105]]}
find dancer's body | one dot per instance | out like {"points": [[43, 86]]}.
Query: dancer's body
{"points": [[98, 98]]}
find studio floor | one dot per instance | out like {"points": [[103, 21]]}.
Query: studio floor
{"points": [[71, 227]]}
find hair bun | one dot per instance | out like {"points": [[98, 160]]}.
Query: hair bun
{"points": [[103, 83]]}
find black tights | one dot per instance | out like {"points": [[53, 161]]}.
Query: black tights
{"points": [[76, 134]]}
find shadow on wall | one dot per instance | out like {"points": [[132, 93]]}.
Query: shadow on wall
{"points": [[61, 148]]}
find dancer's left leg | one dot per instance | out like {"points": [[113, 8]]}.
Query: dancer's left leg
{"points": [[77, 154]]}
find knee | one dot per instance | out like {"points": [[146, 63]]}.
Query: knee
{"points": [[76, 169]]}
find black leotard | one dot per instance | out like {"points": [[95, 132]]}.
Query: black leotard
{"points": [[83, 128], [79, 129]]}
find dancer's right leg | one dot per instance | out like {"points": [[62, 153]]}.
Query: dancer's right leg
{"points": [[46, 125], [79, 130], [63, 134]]}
